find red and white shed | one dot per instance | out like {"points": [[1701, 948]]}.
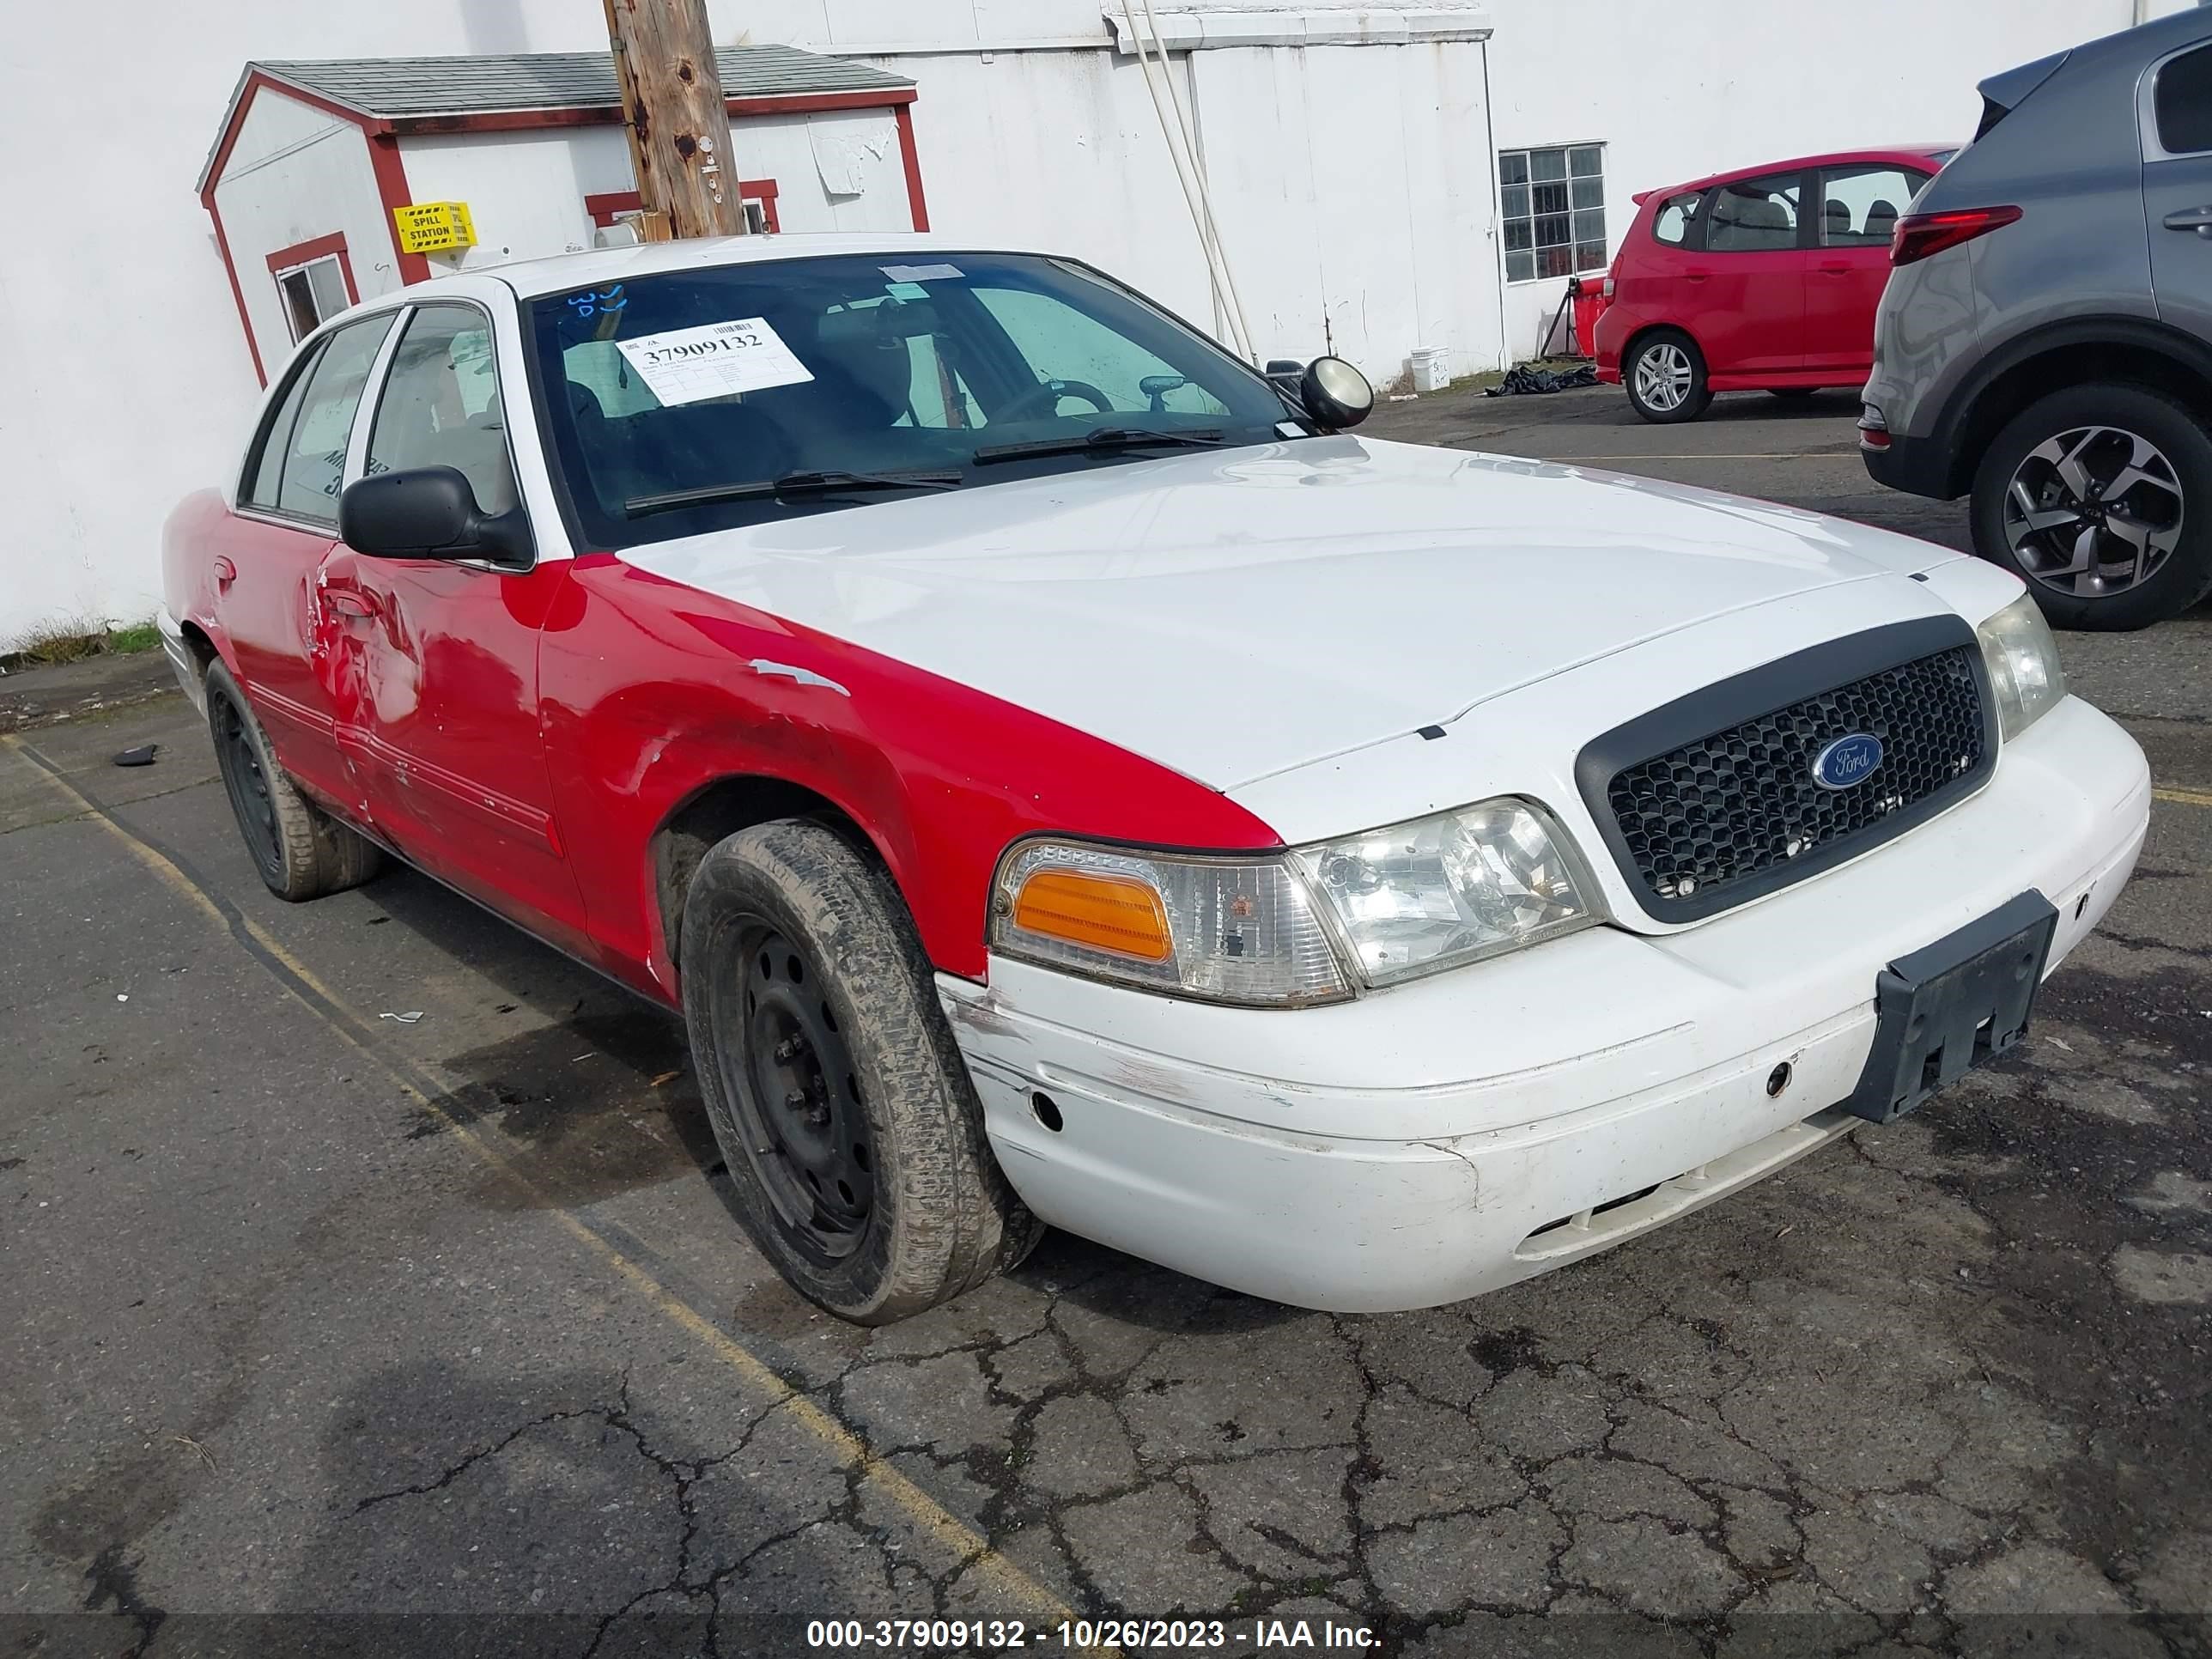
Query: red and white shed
{"points": [[313, 160]]}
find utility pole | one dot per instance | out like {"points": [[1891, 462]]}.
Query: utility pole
{"points": [[679, 127]]}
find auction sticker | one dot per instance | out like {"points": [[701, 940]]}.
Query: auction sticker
{"points": [[690, 365]]}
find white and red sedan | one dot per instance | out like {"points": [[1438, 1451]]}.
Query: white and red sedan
{"points": [[1063, 777]]}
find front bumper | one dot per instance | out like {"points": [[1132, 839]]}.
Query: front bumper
{"points": [[1417, 1145]]}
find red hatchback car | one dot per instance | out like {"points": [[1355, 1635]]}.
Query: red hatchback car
{"points": [[1732, 284]]}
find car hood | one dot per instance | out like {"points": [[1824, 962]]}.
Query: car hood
{"points": [[1233, 614]]}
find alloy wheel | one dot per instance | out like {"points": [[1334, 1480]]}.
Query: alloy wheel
{"points": [[1663, 375], [2094, 511]]}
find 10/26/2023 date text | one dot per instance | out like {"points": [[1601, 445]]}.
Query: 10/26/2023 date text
{"points": [[1087, 1635]]}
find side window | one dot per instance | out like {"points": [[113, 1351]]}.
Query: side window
{"points": [[265, 471], [314, 453], [441, 407], [1859, 205], [1754, 215], [1676, 223], [2183, 103], [1060, 343]]}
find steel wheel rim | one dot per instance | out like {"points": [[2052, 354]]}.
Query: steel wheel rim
{"points": [[247, 785], [794, 1092], [2094, 511], [1663, 376]]}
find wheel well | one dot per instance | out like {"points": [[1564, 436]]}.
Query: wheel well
{"points": [[201, 646], [718, 811], [1628, 346], [2075, 363]]}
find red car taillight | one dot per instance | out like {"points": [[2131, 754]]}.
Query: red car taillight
{"points": [[1919, 234]]}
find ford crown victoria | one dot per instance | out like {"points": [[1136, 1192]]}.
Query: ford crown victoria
{"points": [[1064, 776]]}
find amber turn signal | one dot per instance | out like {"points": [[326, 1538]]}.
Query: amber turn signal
{"points": [[1106, 913]]}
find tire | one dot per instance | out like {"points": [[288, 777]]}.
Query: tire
{"points": [[852, 1131], [2160, 561], [300, 850], [1677, 370]]}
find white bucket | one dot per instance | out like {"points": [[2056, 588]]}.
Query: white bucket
{"points": [[1432, 372]]}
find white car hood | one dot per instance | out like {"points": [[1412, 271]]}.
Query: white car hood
{"points": [[1232, 614]]}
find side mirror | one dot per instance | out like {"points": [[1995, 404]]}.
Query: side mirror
{"points": [[1335, 394], [429, 512]]}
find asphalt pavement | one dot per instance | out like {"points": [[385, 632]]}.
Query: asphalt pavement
{"points": [[373, 1290]]}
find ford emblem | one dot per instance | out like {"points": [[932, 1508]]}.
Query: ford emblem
{"points": [[1847, 760]]}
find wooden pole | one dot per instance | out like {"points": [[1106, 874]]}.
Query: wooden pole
{"points": [[679, 126]]}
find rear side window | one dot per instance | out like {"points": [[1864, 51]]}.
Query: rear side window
{"points": [[1859, 206], [1754, 215], [1676, 223], [301, 463], [2183, 103], [265, 472]]}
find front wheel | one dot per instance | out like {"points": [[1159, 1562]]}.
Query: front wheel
{"points": [[844, 1111], [2100, 497], [1665, 375]]}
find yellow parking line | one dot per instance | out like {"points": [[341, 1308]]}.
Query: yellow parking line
{"points": [[2183, 796], [1014, 1590]]}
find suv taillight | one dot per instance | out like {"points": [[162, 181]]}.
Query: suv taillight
{"points": [[1919, 234]]}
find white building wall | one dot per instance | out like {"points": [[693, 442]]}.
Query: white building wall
{"points": [[296, 175], [1056, 149], [526, 190], [95, 450], [1677, 93], [1368, 235]]}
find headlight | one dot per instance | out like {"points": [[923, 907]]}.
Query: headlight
{"points": [[1267, 930], [2023, 663], [1221, 929], [1441, 891]]}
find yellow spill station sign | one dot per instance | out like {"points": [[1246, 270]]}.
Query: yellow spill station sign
{"points": [[433, 227]]}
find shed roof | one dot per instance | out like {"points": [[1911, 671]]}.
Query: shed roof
{"points": [[429, 94], [394, 88]]}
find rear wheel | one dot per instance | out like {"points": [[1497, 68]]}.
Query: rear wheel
{"points": [[2100, 497], [1665, 375], [853, 1134], [300, 851]]}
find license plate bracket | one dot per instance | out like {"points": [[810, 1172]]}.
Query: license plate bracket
{"points": [[1953, 1006]]}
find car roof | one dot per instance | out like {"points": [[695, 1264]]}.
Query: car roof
{"points": [[1826, 158], [563, 271]]}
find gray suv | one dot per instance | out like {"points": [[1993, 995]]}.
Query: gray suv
{"points": [[2045, 339]]}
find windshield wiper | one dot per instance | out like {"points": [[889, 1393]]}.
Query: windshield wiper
{"points": [[1103, 437], [790, 483]]}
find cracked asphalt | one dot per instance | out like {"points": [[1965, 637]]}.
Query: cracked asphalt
{"points": [[338, 1334]]}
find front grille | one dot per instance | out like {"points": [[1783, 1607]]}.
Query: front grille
{"points": [[1716, 821]]}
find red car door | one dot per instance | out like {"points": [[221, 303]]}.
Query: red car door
{"points": [[438, 695], [1859, 208], [1744, 290], [266, 575]]}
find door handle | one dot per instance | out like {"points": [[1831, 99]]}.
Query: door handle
{"points": [[2198, 219], [1696, 275], [226, 572], [348, 604]]}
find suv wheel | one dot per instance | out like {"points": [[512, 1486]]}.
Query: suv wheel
{"points": [[1666, 377], [2100, 498]]}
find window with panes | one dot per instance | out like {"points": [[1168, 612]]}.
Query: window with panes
{"points": [[1552, 204]]}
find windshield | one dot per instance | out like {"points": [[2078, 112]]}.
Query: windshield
{"points": [[674, 402]]}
